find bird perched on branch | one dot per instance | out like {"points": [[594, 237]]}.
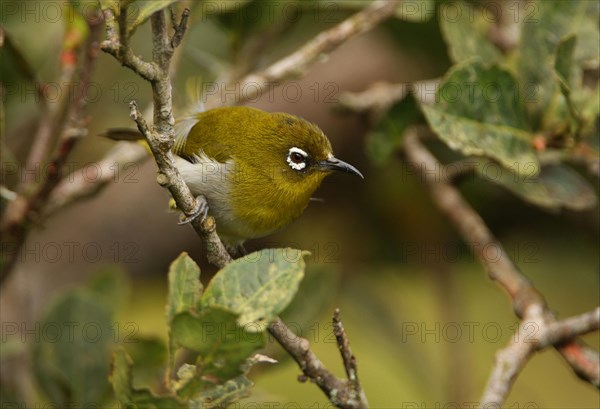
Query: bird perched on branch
{"points": [[257, 170]]}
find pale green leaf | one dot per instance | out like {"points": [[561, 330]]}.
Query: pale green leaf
{"points": [[258, 286], [464, 37], [128, 396], [556, 186], [535, 57], [221, 396], [563, 64], [150, 356], [222, 344], [479, 111], [509, 146], [185, 287]]}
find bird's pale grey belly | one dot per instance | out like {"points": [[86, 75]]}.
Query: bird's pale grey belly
{"points": [[212, 179]]}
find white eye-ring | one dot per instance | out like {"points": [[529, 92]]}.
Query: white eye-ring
{"points": [[296, 158]]}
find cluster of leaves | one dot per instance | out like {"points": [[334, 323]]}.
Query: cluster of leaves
{"points": [[526, 111], [218, 329]]}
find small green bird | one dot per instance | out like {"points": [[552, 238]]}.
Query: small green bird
{"points": [[257, 170]]}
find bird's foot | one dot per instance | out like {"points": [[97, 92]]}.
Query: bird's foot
{"points": [[200, 211], [237, 250]]}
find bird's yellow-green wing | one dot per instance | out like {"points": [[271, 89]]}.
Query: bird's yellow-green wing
{"points": [[218, 133]]}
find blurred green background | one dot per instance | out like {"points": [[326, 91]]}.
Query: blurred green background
{"points": [[423, 318]]}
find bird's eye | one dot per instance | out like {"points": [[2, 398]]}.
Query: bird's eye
{"points": [[296, 158]]}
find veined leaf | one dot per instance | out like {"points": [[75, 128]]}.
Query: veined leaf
{"points": [[126, 394], [479, 111], [464, 38], [555, 20], [223, 345], [185, 287], [221, 396], [258, 286]]}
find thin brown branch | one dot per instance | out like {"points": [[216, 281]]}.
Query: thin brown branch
{"points": [[340, 392], [528, 303], [348, 359], [179, 27], [297, 63]]}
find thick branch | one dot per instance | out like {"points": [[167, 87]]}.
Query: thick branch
{"points": [[297, 63]]}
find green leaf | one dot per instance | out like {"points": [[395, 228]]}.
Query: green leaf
{"points": [[384, 140], [258, 286], [563, 67], [479, 111], [150, 356], [126, 394], [535, 57], [184, 285], [185, 289], [72, 355], [563, 64], [556, 186], [464, 36], [222, 396], [145, 8], [215, 334]]}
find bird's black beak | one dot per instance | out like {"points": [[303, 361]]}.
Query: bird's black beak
{"points": [[336, 164]]}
